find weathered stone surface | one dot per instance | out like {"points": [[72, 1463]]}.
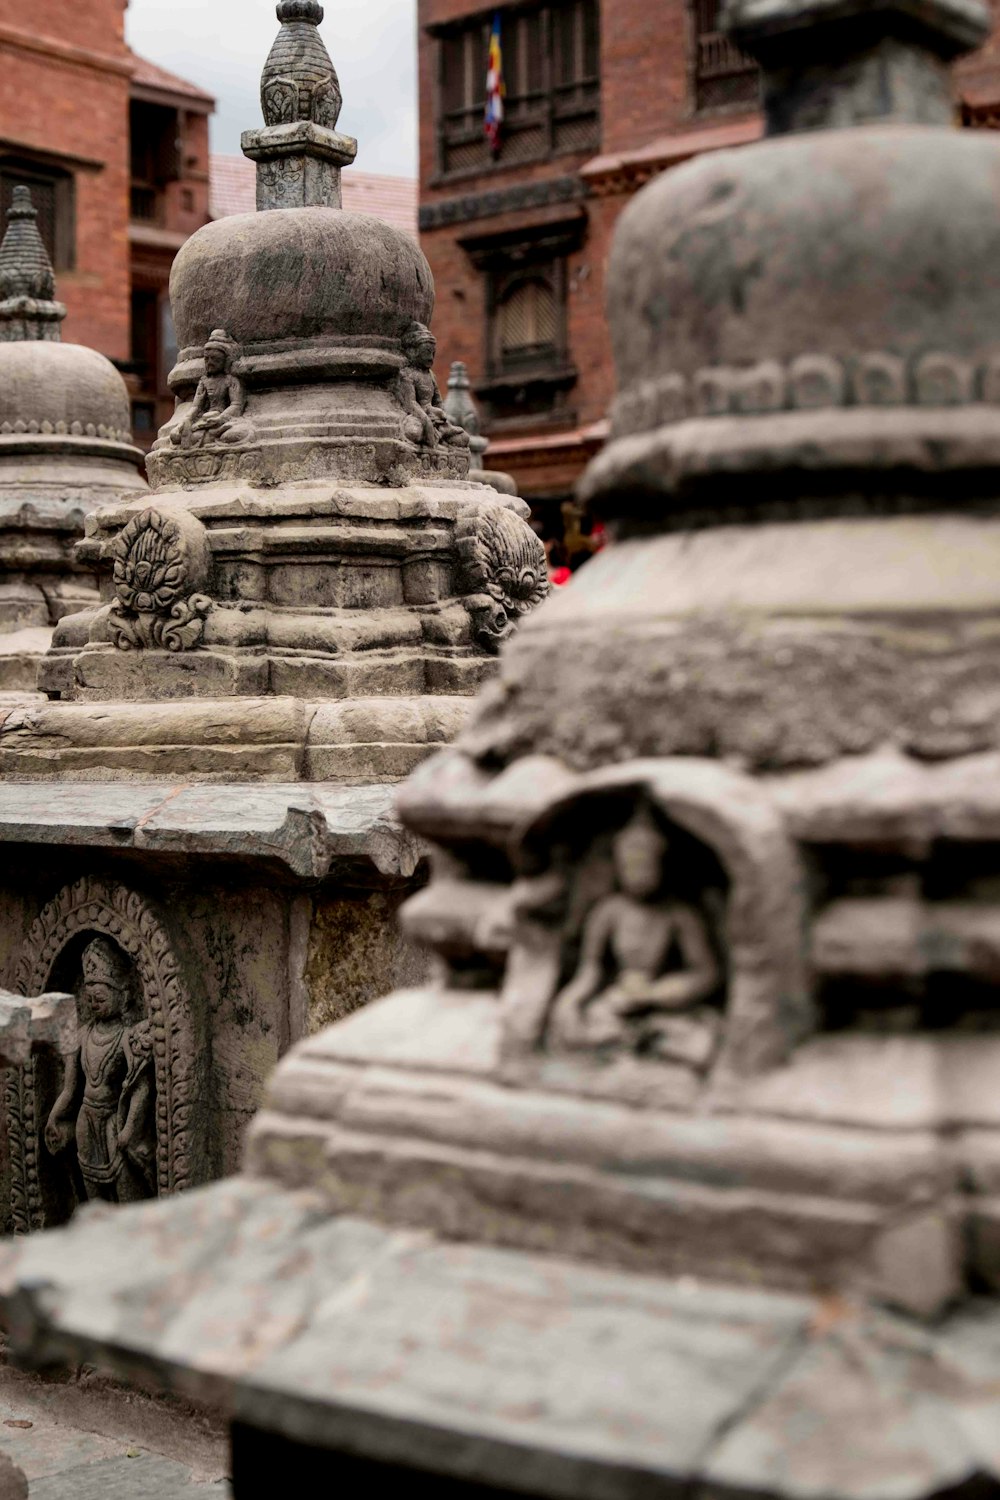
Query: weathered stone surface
{"points": [[505, 1368], [30, 1025], [310, 831], [65, 448], [683, 1168]]}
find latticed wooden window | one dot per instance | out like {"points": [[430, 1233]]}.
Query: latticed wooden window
{"points": [[723, 75], [52, 195], [527, 322], [552, 76]]}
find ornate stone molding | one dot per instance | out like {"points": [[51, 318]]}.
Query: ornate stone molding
{"points": [[810, 382], [90, 907], [157, 568], [503, 572], [45, 428]]}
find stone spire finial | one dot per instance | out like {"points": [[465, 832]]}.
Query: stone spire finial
{"points": [[835, 63], [28, 309], [462, 409], [299, 81], [299, 153], [299, 10]]}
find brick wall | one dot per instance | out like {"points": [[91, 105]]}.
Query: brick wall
{"points": [[64, 91]]}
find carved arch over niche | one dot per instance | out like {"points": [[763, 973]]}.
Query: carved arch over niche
{"points": [[767, 1006], [89, 907]]}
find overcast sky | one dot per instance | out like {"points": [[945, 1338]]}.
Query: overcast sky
{"points": [[221, 46]]}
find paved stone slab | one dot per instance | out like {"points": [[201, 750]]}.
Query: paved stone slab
{"points": [[144, 1477], [85, 1438]]}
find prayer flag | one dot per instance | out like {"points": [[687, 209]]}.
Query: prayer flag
{"points": [[495, 89]]}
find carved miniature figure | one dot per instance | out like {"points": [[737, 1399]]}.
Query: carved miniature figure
{"points": [[426, 424], [646, 965], [106, 1102], [217, 412]]}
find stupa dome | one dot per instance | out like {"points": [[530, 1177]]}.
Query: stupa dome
{"points": [[734, 356], [300, 273], [61, 391], [49, 390]]}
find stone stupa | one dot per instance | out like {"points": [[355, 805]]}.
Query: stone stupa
{"points": [[65, 449], [462, 409], [299, 611], [682, 1176]]}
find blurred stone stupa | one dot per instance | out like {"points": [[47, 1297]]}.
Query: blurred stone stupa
{"points": [[65, 449], [200, 820], [683, 1176], [461, 408]]}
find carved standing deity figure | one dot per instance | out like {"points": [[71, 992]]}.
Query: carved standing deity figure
{"points": [[109, 1084], [426, 423], [646, 964], [217, 412]]}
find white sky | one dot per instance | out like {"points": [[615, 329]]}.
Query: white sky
{"points": [[221, 45]]}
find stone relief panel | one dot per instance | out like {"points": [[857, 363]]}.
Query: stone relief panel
{"points": [[503, 572], [115, 1117], [658, 915], [159, 564], [103, 1117]]}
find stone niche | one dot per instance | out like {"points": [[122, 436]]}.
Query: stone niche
{"points": [[230, 947]]}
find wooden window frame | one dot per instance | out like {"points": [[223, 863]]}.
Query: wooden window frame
{"points": [[715, 60], [553, 106], [537, 252]]}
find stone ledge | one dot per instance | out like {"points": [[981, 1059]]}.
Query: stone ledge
{"points": [[499, 1367], [310, 831]]}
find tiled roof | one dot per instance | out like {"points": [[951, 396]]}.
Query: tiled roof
{"points": [[394, 199], [149, 75]]}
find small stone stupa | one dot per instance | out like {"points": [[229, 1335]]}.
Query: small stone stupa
{"points": [[461, 408], [299, 611], [683, 1176], [65, 449]]}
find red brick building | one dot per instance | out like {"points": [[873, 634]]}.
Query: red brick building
{"points": [[601, 95], [115, 152]]}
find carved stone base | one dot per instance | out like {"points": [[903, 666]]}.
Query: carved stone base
{"points": [[811, 1168], [242, 916], [284, 738]]}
